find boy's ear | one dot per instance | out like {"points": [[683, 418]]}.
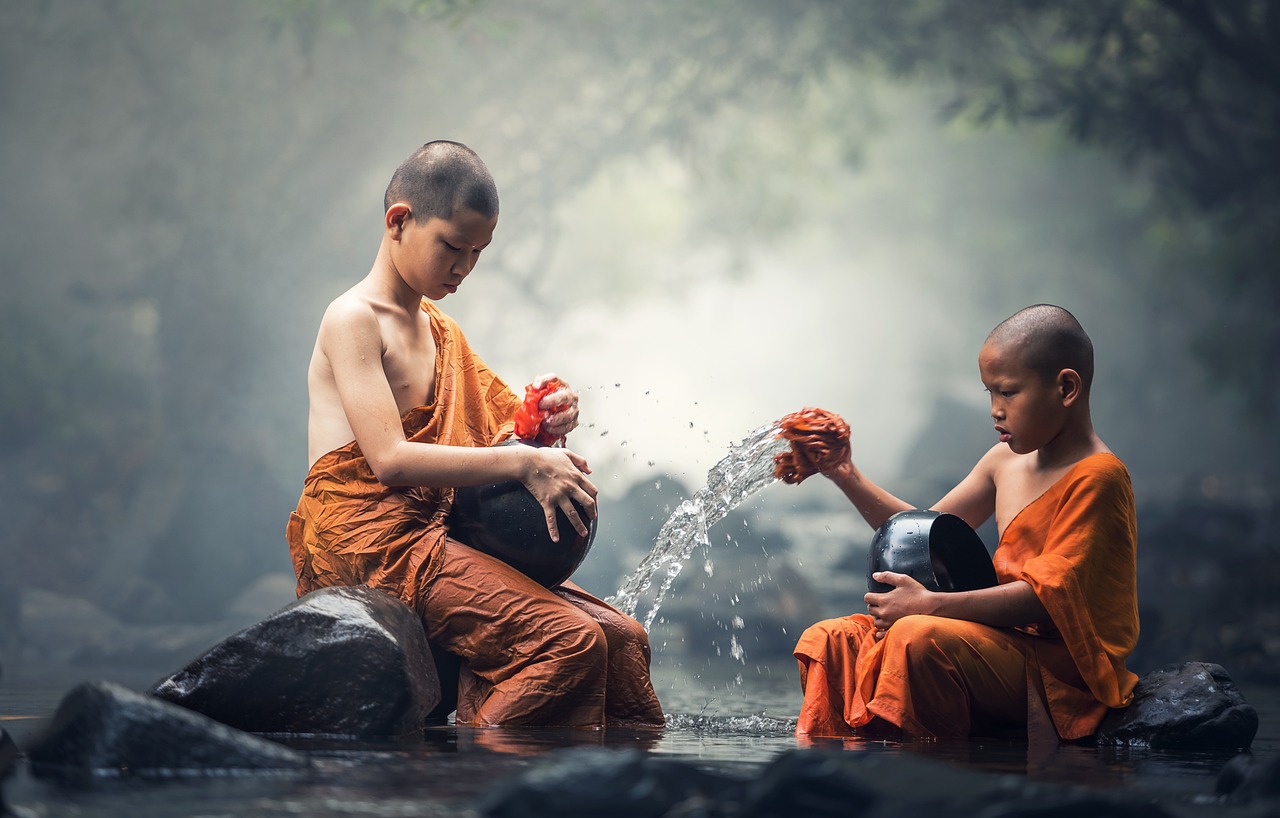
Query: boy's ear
{"points": [[1070, 386], [397, 217]]}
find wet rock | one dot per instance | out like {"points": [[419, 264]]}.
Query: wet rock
{"points": [[1246, 780], [1075, 805], [8, 760], [8, 753], [338, 661], [836, 783], [1194, 705], [815, 783], [591, 782], [102, 729]]}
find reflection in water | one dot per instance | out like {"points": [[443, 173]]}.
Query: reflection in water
{"points": [[444, 771]]}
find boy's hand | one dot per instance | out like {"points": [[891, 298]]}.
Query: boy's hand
{"points": [[907, 597], [819, 443], [561, 407], [557, 478]]}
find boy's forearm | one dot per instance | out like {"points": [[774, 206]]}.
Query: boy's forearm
{"points": [[874, 503], [439, 466], [1002, 606]]}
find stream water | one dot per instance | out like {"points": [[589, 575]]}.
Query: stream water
{"points": [[732, 725], [747, 468]]}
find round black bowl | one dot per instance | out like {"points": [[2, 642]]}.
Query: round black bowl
{"points": [[505, 521], [940, 551]]}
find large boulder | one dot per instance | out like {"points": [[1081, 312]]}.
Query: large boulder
{"points": [[339, 662], [1194, 705], [102, 729]]}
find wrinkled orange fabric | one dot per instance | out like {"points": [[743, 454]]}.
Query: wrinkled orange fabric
{"points": [[529, 416], [536, 656], [1076, 546], [819, 440]]}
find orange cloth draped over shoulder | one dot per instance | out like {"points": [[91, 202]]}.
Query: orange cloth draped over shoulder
{"points": [[350, 529], [1076, 546]]}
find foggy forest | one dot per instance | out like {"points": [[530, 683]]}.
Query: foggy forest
{"points": [[713, 214]]}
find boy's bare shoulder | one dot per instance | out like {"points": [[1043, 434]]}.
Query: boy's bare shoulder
{"points": [[352, 317]]}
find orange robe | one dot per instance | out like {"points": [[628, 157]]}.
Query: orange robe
{"points": [[1076, 546], [531, 655]]}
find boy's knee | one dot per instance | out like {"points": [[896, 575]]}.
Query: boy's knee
{"points": [[921, 631], [578, 641]]}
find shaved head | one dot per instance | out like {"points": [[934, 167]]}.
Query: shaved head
{"points": [[1047, 339], [440, 177]]}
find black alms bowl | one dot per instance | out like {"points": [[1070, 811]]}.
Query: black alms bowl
{"points": [[940, 551], [505, 521]]}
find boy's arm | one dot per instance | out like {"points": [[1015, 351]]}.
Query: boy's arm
{"points": [[874, 503], [1001, 606], [974, 498], [351, 340]]}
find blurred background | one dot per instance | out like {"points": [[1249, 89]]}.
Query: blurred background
{"points": [[713, 214]]}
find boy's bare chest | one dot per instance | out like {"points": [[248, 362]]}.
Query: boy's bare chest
{"points": [[409, 360], [1017, 488]]}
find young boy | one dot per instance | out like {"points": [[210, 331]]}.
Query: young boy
{"points": [[1053, 635], [402, 412]]}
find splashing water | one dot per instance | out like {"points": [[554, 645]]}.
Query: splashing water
{"points": [[747, 468]]}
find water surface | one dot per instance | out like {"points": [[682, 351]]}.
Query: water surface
{"points": [[722, 724]]}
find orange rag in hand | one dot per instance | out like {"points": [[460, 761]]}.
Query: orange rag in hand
{"points": [[819, 441], [529, 416]]}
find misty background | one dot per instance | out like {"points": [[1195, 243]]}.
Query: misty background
{"points": [[712, 214]]}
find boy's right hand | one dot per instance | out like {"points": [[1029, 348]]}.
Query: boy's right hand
{"points": [[557, 478]]}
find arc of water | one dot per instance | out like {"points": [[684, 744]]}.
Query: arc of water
{"points": [[746, 469]]}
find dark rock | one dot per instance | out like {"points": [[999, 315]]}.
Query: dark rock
{"points": [[102, 729], [590, 782], [8, 753], [815, 783], [1075, 805], [835, 783], [338, 661], [1244, 779], [1194, 705]]}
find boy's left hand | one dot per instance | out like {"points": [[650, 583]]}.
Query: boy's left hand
{"points": [[561, 407], [907, 597]]}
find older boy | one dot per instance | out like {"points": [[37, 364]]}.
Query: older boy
{"points": [[1053, 635], [402, 412]]}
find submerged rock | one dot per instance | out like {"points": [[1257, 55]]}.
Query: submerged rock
{"points": [[8, 753], [1195, 705], [8, 759], [589, 782], [1245, 780], [101, 729], [338, 661], [815, 783]]}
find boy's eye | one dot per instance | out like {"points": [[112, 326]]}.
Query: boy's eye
{"points": [[450, 246]]}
